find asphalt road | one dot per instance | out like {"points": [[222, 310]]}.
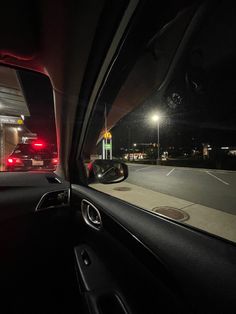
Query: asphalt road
{"points": [[212, 188]]}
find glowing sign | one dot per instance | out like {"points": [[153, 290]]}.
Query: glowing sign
{"points": [[107, 135], [11, 120]]}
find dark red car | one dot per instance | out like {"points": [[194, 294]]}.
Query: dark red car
{"points": [[33, 156]]}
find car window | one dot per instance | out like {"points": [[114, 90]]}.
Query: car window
{"points": [[32, 148], [27, 124], [168, 112]]}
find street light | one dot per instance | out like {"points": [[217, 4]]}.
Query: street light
{"points": [[156, 118]]}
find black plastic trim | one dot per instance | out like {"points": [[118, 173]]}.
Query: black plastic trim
{"points": [[201, 263]]}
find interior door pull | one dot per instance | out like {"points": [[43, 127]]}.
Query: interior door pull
{"points": [[91, 215]]}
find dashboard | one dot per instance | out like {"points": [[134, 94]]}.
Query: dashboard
{"points": [[25, 192]]}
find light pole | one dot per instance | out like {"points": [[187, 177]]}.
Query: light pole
{"points": [[134, 145], [156, 118]]}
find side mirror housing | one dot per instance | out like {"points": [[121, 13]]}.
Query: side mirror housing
{"points": [[107, 171]]}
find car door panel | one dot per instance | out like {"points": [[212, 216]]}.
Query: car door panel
{"points": [[175, 266], [140, 285], [128, 278], [97, 283]]}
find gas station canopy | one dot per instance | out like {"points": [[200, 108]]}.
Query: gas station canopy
{"points": [[13, 107], [12, 99]]}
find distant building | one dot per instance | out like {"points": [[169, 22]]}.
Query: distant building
{"points": [[135, 156]]}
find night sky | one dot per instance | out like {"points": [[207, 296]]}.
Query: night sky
{"points": [[39, 97], [188, 124], [204, 80], [208, 118]]}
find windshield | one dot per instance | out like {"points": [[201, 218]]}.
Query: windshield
{"points": [[27, 124], [26, 149]]}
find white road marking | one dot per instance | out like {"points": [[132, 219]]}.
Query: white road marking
{"points": [[144, 168], [170, 172], [222, 181]]}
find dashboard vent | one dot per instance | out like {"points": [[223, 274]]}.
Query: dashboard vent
{"points": [[54, 199]]}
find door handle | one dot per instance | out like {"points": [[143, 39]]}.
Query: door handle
{"points": [[91, 215]]}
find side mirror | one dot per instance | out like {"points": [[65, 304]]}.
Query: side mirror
{"points": [[107, 171]]}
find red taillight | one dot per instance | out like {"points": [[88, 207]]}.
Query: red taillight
{"points": [[90, 166], [14, 161], [55, 161], [10, 160], [38, 145]]}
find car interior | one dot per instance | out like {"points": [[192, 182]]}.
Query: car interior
{"points": [[66, 247]]}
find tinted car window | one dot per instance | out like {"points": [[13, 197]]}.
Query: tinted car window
{"points": [[171, 118], [26, 149]]}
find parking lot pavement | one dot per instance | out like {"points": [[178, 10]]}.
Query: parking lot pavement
{"points": [[202, 217], [206, 195], [208, 187]]}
